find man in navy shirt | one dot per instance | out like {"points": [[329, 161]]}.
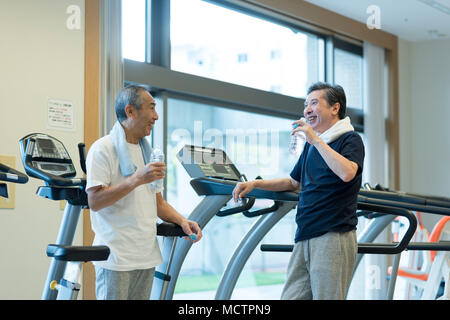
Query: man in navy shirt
{"points": [[328, 175]]}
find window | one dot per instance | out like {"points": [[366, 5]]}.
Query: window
{"points": [[207, 41], [242, 57], [258, 145], [204, 72], [133, 29], [348, 66]]}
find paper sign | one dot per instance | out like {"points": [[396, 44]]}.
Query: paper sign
{"points": [[60, 114]]}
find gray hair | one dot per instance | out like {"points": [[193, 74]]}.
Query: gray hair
{"points": [[129, 95]]}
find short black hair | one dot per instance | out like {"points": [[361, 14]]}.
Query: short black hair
{"points": [[333, 94], [129, 95]]}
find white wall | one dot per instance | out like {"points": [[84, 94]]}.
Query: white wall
{"points": [[40, 58], [424, 88]]}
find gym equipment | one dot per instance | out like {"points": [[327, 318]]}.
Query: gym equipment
{"points": [[75, 254], [205, 166], [44, 157], [422, 277], [9, 174], [369, 201], [434, 267], [215, 176], [170, 232]]}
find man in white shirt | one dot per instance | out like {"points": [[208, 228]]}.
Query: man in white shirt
{"points": [[124, 209]]}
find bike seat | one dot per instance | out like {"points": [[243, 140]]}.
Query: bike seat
{"points": [[77, 253]]}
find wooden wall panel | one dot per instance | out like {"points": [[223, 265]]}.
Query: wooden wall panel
{"points": [[91, 119]]}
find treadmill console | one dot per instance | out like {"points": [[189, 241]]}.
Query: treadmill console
{"points": [[207, 162], [46, 154]]}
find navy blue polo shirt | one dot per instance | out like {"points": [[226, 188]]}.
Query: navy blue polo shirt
{"points": [[326, 203]]}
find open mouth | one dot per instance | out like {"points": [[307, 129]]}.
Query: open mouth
{"points": [[149, 127], [311, 119]]}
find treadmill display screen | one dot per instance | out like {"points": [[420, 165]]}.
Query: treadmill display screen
{"points": [[207, 162], [219, 168]]}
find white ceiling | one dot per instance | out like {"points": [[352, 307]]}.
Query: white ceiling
{"points": [[413, 20]]}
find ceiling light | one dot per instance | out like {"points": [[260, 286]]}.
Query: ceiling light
{"points": [[436, 5], [435, 34]]}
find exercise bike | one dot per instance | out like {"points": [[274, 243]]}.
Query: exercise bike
{"points": [[44, 157]]}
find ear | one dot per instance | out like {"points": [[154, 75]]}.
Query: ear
{"points": [[130, 111], [335, 108]]}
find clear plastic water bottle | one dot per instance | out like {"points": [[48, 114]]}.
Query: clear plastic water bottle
{"points": [[157, 156], [297, 141]]}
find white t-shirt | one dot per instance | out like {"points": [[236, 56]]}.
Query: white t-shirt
{"points": [[128, 227]]}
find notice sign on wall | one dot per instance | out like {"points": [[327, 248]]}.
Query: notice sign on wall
{"points": [[60, 114]]}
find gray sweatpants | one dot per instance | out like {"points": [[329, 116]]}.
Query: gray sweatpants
{"points": [[321, 268], [123, 285]]}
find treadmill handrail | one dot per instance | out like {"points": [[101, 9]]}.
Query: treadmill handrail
{"points": [[212, 186], [412, 199], [243, 208], [168, 229], [379, 187], [9, 174], [373, 247], [259, 212], [376, 199], [413, 246], [393, 211]]}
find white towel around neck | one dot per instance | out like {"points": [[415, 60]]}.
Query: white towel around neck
{"points": [[337, 130]]}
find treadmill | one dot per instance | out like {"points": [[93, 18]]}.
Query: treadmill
{"points": [[214, 176], [382, 206]]}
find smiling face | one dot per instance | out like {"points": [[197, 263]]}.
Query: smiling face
{"points": [[141, 121], [319, 114], [147, 114]]}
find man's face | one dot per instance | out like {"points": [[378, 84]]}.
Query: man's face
{"points": [[318, 113], [145, 117]]}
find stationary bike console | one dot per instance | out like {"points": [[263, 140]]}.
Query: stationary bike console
{"points": [[45, 157]]}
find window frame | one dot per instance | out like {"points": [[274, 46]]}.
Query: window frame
{"points": [[156, 74]]}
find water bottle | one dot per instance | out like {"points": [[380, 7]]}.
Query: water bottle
{"points": [[157, 156], [298, 140]]}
